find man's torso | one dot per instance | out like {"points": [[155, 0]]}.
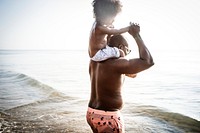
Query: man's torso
{"points": [[106, 85]]}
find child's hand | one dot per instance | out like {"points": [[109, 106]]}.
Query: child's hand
{"points": [[134, 29]]}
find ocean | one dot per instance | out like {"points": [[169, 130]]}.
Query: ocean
{"points": [[53, 87]]}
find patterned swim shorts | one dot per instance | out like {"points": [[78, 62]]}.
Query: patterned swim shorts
{"points": [[105, 121]]}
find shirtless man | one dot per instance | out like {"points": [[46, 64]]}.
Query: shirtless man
{"points": [[107, 78]]}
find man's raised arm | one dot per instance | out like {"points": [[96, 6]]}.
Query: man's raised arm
{"points": [[144, 53]]}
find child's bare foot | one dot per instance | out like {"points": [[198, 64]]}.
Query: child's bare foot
{"points": [[131, 75]]}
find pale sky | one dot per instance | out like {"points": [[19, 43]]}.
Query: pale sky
{"points": [[65, 24]]}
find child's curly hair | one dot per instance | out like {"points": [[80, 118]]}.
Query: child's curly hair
{"points": [[104, 9]]}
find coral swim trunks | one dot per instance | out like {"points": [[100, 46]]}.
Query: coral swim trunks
{"points": [[106, 53], [105, 121]]}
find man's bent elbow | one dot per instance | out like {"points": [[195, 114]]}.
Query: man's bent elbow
{"points": [[150, 63]]}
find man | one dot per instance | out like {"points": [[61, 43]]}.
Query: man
{"points": [[107, 78]]}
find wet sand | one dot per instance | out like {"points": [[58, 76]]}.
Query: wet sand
{"points": [[67, 115], [12, 124], [53, 115]]}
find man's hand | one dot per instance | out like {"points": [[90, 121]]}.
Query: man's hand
{"points": [[134, 29]]}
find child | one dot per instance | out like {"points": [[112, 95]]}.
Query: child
{"points": [[105, 12]]}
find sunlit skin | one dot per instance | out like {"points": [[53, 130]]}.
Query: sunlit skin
{"points": [[107, 77], [104, 14]]}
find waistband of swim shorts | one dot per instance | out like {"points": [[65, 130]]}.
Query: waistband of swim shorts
{"points": [[102, 112]]}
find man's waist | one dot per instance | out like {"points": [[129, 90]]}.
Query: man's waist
{"points": [[103, 112]]}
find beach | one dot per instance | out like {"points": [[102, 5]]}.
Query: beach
{"points": [[46, 91], [44, 66], [29, 120]]}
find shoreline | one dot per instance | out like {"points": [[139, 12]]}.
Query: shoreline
{"points": [[8, 123], [15, 120], [52, 115], [70, 119], [11, 124]]}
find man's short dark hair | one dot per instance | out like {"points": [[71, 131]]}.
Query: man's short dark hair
{"points": [[117, 40]]}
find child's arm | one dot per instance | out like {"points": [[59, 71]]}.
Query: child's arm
{"points": [[112, 31]]}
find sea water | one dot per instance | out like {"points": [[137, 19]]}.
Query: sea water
{"points": [[167, 92]]}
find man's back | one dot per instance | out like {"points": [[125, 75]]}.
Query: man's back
{"points": [[106, 85]]}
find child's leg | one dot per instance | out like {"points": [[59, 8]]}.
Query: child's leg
{"points": [[122, 54], [107, 53]]}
